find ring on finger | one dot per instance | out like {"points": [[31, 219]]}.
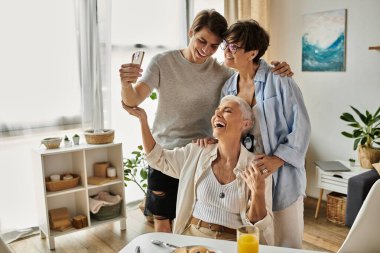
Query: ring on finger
{"points": [[264, 171]]}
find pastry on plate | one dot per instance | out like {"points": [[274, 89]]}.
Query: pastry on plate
{"points": [[194, 249]]}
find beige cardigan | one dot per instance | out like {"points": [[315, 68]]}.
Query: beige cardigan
{"points": [[188, 164]]}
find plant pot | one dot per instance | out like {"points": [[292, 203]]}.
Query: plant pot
{"points": [[76, 140], [149, 218], [67, 144], [368, 156]]}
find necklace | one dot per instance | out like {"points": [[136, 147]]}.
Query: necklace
{"points": [[222, 194]]}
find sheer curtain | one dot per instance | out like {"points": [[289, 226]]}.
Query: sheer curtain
{"points": [[93, 25]]}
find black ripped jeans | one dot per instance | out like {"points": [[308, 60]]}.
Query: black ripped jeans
{"points": [[161, 205]]}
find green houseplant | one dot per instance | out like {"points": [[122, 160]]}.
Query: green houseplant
{"points": [[366, 134], [135, 170]]}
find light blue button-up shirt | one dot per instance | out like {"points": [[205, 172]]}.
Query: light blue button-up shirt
{"points": [[285, 130]]}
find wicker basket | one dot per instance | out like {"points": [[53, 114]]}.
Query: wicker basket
{"points": [[53, 186], [106, 136], [51, 143], [336, 208], [107, 212]]}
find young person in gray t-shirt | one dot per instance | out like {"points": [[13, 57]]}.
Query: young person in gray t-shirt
{"points": [[189, 81]]}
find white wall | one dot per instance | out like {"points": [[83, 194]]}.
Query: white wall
{"points": [[328, 94]]}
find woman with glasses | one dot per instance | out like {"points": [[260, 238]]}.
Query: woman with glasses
{"points": [[189, 83], [281, 133], [219, 190]]}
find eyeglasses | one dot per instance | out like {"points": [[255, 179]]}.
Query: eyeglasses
{"points": [[232, 47]]}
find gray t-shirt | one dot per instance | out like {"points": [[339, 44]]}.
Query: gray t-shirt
{"points": [[188, 96]]}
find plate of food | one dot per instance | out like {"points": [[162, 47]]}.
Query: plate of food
{"points": [[196, 249]]}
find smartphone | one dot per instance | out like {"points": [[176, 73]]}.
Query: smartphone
{"points": [[138, 57]]}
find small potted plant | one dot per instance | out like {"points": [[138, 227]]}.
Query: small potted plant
{"points": [[67, 142], [366, 135], [76, 139], [352, 162]]}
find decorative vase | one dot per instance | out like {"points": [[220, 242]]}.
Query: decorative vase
{"points": [[368, 156]]}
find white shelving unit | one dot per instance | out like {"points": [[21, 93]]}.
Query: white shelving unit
{"points": [[78, 160]]}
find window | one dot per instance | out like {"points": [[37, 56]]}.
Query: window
{"points": [[39, 81]]}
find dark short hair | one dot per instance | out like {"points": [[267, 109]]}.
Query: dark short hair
{"points": [[251, 35], [211, 19]]}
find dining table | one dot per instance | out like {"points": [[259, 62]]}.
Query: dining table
{"points": [[143, 244]]}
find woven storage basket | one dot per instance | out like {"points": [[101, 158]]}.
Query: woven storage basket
{"points": [[105, 137], [53, 186], [107, 212], [336, 208]]}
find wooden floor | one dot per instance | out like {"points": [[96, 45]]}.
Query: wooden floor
{"points": [[319, 235]]}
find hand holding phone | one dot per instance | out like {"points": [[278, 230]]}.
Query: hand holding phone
{"points": [[138, 57], [129, 74]]}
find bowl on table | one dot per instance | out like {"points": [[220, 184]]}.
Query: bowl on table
{"points": [[51, 143]]}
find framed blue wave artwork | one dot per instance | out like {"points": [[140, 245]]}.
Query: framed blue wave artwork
{"points": [[324, 41]]}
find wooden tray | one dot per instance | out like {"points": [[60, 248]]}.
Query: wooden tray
{"points": [[61, 184], [98, 180]]}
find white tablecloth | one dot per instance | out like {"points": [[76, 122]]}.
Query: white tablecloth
{"points": [[144, 241]]}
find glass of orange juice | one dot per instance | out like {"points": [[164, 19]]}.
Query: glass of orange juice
{"points": [[248, 239]]}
